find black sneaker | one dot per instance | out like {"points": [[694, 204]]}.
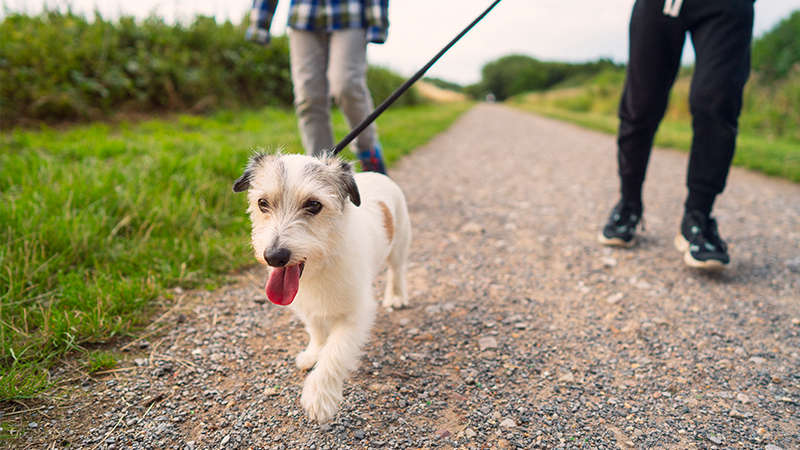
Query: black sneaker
{"points": [[620, 230], [700, 242]]}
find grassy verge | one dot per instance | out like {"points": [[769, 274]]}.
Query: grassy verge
{"points": [[98, 220], [765, 143]]}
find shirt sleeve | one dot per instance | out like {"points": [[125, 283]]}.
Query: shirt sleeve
{"points": [[260, 20], [377, 14]]}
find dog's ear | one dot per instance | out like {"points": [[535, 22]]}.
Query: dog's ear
{"points": [[349, 183], [243, 182]]}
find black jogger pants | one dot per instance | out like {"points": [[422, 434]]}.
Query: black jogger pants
{"points": [[721, 32]]}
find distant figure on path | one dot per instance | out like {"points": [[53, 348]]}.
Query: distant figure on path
{"points": [[328, 56], [721, 32]]}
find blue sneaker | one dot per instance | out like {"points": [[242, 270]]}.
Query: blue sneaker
{"points": [[372, 160]]}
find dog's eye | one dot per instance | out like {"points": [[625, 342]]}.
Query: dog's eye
{"points": [[312, 206], [263, 205]]}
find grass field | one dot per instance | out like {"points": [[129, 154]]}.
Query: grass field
{"points": [[99, 220], [767, 141]]}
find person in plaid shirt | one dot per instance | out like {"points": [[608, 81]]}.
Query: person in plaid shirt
{"points": [[328, 57]]}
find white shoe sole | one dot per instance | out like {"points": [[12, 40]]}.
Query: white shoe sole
{"points": [[615, 242], [683, 246]]}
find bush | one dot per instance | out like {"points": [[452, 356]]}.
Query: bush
{"points": [[382, 82], [60, 66], [445, 84], [772, 109], [778, 51]]}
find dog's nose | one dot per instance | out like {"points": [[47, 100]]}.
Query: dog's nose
{"points": [[277, 257]]}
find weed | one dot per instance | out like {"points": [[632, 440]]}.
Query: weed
{"points": [[100, 360]]}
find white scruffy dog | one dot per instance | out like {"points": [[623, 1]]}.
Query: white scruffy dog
{"points": [[324, 234]]}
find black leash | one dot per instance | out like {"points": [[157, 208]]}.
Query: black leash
{"points": [[399, 91]]}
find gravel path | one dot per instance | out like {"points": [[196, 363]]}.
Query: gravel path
{"points": [[522, 332]]}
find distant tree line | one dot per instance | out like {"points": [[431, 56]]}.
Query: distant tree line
{"points": [[515, 74], [775, 55]]}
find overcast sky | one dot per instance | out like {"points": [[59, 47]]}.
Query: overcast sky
{"points": [[565, 30]]}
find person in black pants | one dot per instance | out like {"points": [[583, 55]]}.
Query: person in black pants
{"points": [[721, 32]]}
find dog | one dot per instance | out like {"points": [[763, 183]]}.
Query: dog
{"points": [[324, 234]]}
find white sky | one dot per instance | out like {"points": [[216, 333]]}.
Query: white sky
{"points": [[564, 30]]}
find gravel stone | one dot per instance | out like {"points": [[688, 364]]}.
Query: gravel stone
{"points": [[566, 377], [271, 392], [487, 343], [739, 414], [472, 228], [609, 261]]}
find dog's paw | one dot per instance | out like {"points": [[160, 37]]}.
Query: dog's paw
{"points": [[306, 359], [392, 302], [319, 401]]}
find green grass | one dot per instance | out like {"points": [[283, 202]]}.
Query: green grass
{"points": [[98, 221], [9, 431], [765, 142], [100, 360]]}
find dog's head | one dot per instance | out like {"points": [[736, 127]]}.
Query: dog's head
{"points": [[296, 204]]}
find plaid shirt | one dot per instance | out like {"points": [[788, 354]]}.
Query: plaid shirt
{"points": [[323, 15]]}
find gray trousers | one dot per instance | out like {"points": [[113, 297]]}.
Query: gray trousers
{"points": [[324, 66]]}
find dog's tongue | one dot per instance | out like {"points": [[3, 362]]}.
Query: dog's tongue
{"points": [[283, 284]]}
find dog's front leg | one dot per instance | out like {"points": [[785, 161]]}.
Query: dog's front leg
{"points": [[317, 334], [338, 357]]}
